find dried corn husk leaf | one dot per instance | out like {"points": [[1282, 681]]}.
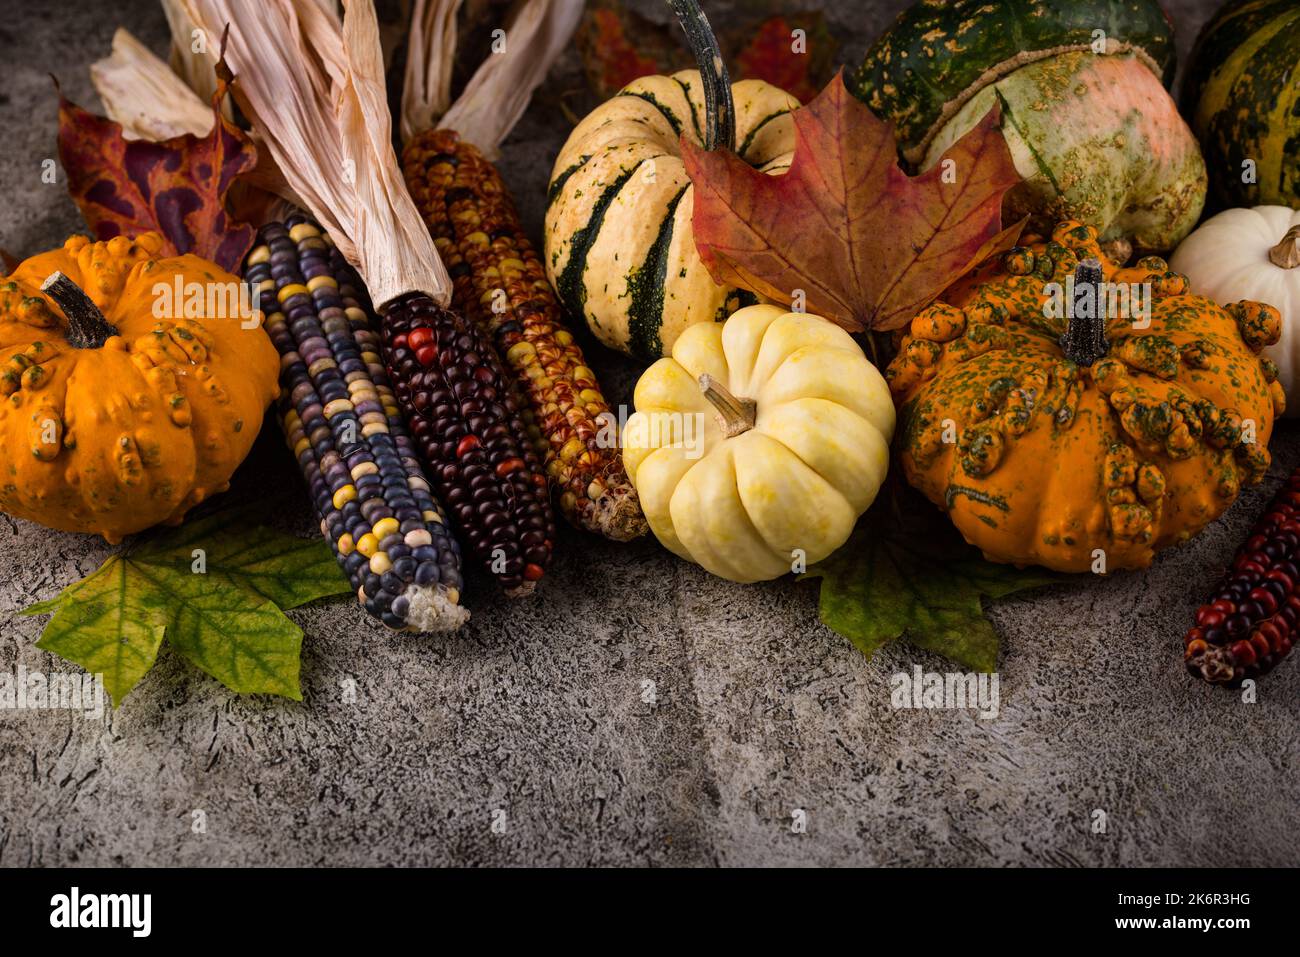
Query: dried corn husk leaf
{"points": [[314, 90], [191, 59], [430, 55], [142, 94], [497, 95]]}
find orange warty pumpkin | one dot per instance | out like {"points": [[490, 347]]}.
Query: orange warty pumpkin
{"points": [[1066, 442], [124, 399]]}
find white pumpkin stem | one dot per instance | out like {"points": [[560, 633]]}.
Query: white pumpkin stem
{"points": [[737, 416], [87, 327], [1286, 254]]}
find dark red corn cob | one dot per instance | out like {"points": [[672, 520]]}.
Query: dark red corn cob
{"points": [[468, 428], [1250, 624]]}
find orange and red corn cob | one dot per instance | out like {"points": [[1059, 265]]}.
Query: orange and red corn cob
{"points": [[500, 284]]}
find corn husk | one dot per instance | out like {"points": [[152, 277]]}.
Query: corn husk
{"points": [[497, 95], [313, 88], [142, 94], [192, 65], [430, 55]]}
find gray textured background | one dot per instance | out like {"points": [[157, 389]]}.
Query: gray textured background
{"points": [[536, 707]]}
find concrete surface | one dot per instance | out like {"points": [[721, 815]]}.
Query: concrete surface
{"points": [[537, 709]]}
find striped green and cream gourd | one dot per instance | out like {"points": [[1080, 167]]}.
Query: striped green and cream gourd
{"points": [[1242, 96], [342, 421], [618, 239]]}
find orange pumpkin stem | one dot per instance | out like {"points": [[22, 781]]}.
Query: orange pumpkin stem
{"points": [[736, 416], [1286, 254], [87, 327], [1084, 341]]}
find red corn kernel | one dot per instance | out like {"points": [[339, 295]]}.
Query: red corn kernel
{"points": [[1271, 632], [418, 338], [508, 466], [1210, 618], [1195, 648], [1243, 653], [533, 572], [462, 431], [1193, 634], [1223, 605], [1265, 598], [1283, 577]]}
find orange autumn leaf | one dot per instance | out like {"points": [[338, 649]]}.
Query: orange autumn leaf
{"points": [[868, 245]]}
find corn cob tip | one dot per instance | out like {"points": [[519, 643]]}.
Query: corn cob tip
{"points": [[1214, 665], [432, 610], [617, 514]]}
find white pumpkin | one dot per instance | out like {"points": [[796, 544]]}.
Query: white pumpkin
{"points": [[758, 442], [1252, 254]]}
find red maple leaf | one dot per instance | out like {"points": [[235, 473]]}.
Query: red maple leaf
{"points": [[867, 245]]}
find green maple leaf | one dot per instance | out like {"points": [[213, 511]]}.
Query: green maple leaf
{"points": [[906, 573], [213, 588]]}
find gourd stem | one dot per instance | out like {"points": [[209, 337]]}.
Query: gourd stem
{"points": [[1286, 254], [87, 327], [719, 108], [1084, 341], [736, 416]]}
